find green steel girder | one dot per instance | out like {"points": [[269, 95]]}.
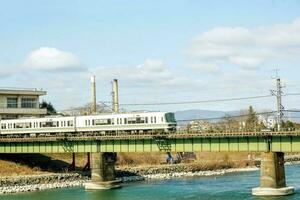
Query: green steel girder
{"points": [[222, 144]]}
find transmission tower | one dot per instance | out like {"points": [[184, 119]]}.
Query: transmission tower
{"points": [[278, 94]]}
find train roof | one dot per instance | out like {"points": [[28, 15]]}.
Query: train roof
{"points": [[39, 119], [122, 114]]}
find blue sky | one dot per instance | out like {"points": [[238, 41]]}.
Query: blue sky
{"points": [[159, 50]]}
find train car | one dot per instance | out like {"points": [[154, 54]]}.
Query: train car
{"points": [[127, 123], [31, 126], [146, 122]]}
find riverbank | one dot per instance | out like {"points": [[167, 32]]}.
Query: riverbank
{"points": [[229, 187], [172, 171], [17, 184], [28, 183]]}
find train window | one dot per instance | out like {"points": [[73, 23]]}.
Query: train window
{"points": [[151, 119], [140, 120], [101, 121], [3, 126], [131, 120], [49, 124], [146, 120], [154, 119], [117, 120], [162, 119], [120, 120], [23, 125], [125, 120], [70, 123]]}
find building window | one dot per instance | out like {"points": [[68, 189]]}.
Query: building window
{"points": [[12, 102], [29, 102]]}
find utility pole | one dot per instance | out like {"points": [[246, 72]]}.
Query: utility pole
{"points": [[278, 94], [93, 95], [115, 96]]}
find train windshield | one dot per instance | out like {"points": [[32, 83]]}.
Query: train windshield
{"points": [[170, 118]]}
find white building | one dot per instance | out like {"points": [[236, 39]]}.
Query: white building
{"points": [[268, 121], [16, 103]]}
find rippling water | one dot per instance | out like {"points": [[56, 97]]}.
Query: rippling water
{"points": [[227, 187]]}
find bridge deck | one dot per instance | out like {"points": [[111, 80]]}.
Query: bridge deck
{"points": [[149, 136], [179, 142]]}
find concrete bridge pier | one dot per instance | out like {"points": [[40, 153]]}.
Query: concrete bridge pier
{"points": [[103, 172], [272, 176]]}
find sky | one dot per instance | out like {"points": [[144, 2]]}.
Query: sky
{"points": [[160, 51]]}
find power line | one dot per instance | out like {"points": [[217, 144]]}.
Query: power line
{"points": [[229, 116], [292, 111], [195, 102], [292, 94], [291, 117], [200, 101], [236, 116]]}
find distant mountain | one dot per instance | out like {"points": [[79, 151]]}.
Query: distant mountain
{"points": [[196, 114]]}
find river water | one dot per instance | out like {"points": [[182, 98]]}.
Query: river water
{"points": [[227, 187]]}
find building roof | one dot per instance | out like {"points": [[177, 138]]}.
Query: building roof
{"points": [[22, 91]]}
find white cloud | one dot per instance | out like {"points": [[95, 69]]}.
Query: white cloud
{"points": [[151, 72], [247, 48], [204, 67], [52, 59]]}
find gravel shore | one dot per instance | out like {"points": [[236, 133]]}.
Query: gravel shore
{"points": [[170, 175], [50, 181], [40, 182]]}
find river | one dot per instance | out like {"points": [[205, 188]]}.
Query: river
{"points": [[227, 187]]}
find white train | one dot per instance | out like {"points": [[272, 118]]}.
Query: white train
{"points": [[154, 122]]}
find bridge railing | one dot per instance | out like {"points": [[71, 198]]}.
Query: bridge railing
{"points": [[149, 135]]}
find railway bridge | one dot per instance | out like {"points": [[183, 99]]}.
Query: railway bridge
{"points": [[103, 151]]}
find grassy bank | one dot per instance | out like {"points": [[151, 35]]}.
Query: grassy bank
{"points": [[24, 164]]}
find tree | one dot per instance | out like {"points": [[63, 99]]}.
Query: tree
{"points": [[50, 108], [229, 123], [252, 120], [288, 125], [86, 110]]}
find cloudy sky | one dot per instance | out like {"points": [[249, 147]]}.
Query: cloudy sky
{"points": [[161, 51]]}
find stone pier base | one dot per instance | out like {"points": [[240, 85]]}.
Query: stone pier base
{"points": [[272, 176], [102, 185], [103, 174], [260, 191]]}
